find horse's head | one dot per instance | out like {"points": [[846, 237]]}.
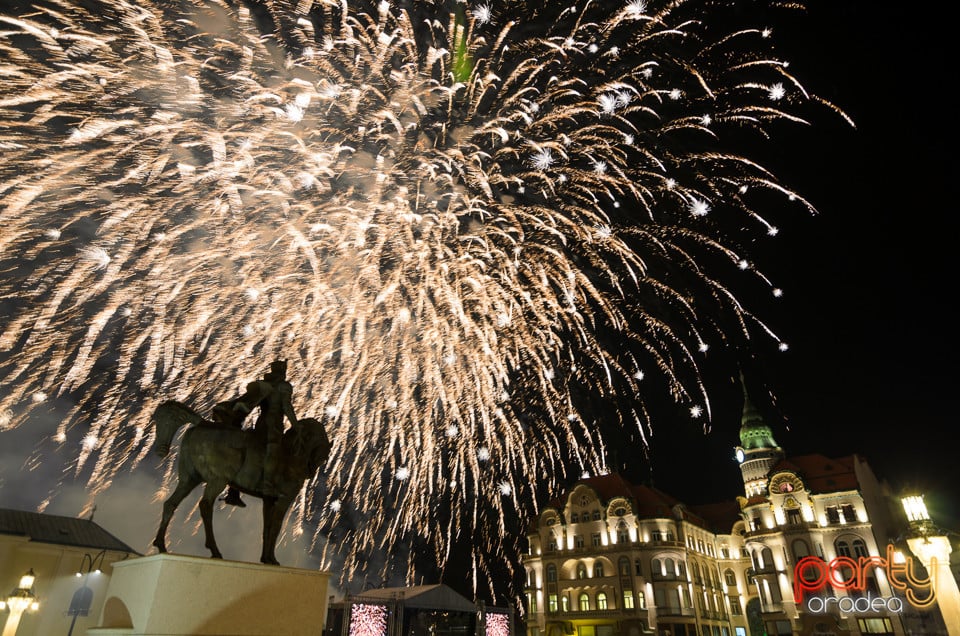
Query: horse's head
{"points": [[314, 442]]}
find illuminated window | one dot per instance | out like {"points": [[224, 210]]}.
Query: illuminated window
{"points": [[875, 625], [552, 603], [628, 599], [641, 600], [584, 603], [601, 601], [735, 608], [729, 578], [859, 548], [766, 557], [581, 571], [849, 514], [532, 603], [669, 567], [565, 603]]}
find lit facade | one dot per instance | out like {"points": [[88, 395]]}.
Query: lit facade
{"points": [[612, 558], [72, 560]]}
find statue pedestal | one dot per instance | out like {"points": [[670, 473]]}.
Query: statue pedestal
{"points": [[179, 595]]}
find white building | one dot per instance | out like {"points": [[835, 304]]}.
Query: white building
{"points": [[613, 558], [71, 559]]}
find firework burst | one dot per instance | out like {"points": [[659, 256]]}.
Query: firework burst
{"points": [[454, 225]]}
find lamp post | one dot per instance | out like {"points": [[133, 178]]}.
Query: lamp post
{"points": [[930, 545], [83, 597], [20, 600]]}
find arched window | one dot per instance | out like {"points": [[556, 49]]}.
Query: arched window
{"points": [[859, 548], [622, 535], [751, 576], [637, 567], [695, 569], [565, 603], [681, 568], [581, 571], [623, 566], [601, 601], [669, 567], [598, 570], [655, 567], [843, 548], [551, 573], [800, 549], [729, 578], [584, 602]]}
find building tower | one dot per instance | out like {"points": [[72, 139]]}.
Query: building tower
{"points": [[758, 451]]}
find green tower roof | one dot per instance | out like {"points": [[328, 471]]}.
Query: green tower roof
{"points": [[754, 432]]}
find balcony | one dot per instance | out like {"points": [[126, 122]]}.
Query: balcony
{"points": [[598, 613], [676, 611]]}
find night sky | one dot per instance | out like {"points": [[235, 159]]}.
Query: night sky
{"points": [[866, 310], [871, 367]]}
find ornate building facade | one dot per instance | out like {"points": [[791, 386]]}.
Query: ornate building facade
{"points": [[613, 558]]}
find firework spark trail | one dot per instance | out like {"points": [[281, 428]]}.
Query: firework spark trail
{"points": [[451, 224]]}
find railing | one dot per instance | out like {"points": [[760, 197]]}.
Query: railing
{"points": [[597, 613], [676, 611]]}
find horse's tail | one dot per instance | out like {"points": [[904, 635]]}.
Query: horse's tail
{"points": [[168, 418]]}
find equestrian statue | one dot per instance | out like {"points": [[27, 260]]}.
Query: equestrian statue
{"points": [[265, 461]]}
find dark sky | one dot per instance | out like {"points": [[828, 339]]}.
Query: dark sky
{"points": [[868, 309], [868, 284]]}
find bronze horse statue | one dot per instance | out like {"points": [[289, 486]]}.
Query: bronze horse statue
{"points": [[218, 455]]}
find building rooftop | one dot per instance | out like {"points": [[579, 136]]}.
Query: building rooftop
{"points": [[822, 474], [437, 597], [57, 530]]}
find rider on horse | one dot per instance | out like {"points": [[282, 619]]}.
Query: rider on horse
{"points": [[272, 394]]}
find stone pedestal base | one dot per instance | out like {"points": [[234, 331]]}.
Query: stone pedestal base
{"points": [[177, 595]]}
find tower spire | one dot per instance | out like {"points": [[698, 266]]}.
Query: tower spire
{"points": [[758, 451]]}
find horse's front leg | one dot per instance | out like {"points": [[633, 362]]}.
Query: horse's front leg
{"points": [[210, 493], [274, 512], [184, 486]]}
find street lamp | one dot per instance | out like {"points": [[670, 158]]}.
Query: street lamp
{"points": [[20, 600], [83, 597], [931, 546]]}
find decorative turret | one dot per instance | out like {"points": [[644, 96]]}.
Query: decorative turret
{"points": [[758, 451]]}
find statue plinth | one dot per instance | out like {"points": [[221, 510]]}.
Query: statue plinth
{"points": [[179, 595]]}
